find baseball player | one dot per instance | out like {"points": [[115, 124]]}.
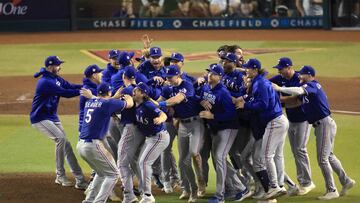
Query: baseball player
{"points": [[153, 68], [91, 147], [221, 116], [124, 59], [316, 108], [181, 96], [299, 128], [130, 141], [150, 121], [43, 116], [112, 67], [266, 103], [178, 59]]}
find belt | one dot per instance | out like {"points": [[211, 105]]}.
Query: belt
{"points": [[86, 140], [316, 124], [188, 120]]}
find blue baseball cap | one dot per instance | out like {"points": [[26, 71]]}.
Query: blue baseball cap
{"points": [[216, 68], [53, 60], [144, 88], [252, 64], [155, 52], [103, 88], [130, 72], [91, 70], [172, 70], [177, 57], [114, 54], [125, 58], [230, 57], [284, 62], [307, 70]]}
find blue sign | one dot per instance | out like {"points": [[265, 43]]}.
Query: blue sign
{"points": [[201, 23]]}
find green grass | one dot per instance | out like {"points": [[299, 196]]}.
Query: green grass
{"points": [[331, 59], [23, 149]]}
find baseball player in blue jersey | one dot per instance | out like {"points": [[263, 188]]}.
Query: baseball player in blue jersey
{"points": [[43, 117], [112, 67], [91, 147], [181, 96], [153, 68], [178, 59], [150, 121], [130, 141], [267, 104], [299, 128], [316, 108], [124, 59], [222, 120]]}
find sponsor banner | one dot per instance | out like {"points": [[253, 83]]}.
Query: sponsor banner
{"points": [[34, 10], [201, 23]]}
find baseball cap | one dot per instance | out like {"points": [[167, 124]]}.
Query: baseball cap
{"points": [[172, 70], [283, 63], [216, 68], [114, 53], [53, 60], [177, 57], [91, 70], [130, 72], [103, 88], [125, 58], [307, 70], [155, 52], [143, 87], [252, 64], [230, 57]]}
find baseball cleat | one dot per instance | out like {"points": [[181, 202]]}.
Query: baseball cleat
{"points": [[167, 188], [215, 200], [113, 197], [134, 200], [347, 187], [305, 190], [243, 195], [293, 191], [147, 199], [329, 195], [63, 181], [184, 195], [267, 201], [273, 193]]}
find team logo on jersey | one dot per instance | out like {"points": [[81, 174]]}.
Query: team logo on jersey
{"points": [[58, 83], [209, 97], [142, 120]]}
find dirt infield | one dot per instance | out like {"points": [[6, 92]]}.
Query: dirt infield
{"points": [[40, 187], [16, 98]]}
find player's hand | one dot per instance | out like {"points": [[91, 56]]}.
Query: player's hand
{"points": [[206, 104], [146, 41], [276, 87], [86, 93], [200, 80], [117, 94], [157, 121], [206, 115], [239, 103], [159, 80]]}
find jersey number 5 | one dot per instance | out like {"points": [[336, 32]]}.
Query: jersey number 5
{"points": [[88, 115]]}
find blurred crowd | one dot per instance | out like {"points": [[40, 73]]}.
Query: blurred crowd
{"points": [[220, 8]]}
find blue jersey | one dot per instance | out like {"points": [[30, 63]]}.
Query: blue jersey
{"points": [[87, 84], [315, 103], [117, 81], [189, 107], [294, 114], [234, 83], [149, 71], [108, 72], [48, 91], [145, 114], [264, 100], [97, 115], [222, 107], [188, 78], [128, 115]]}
